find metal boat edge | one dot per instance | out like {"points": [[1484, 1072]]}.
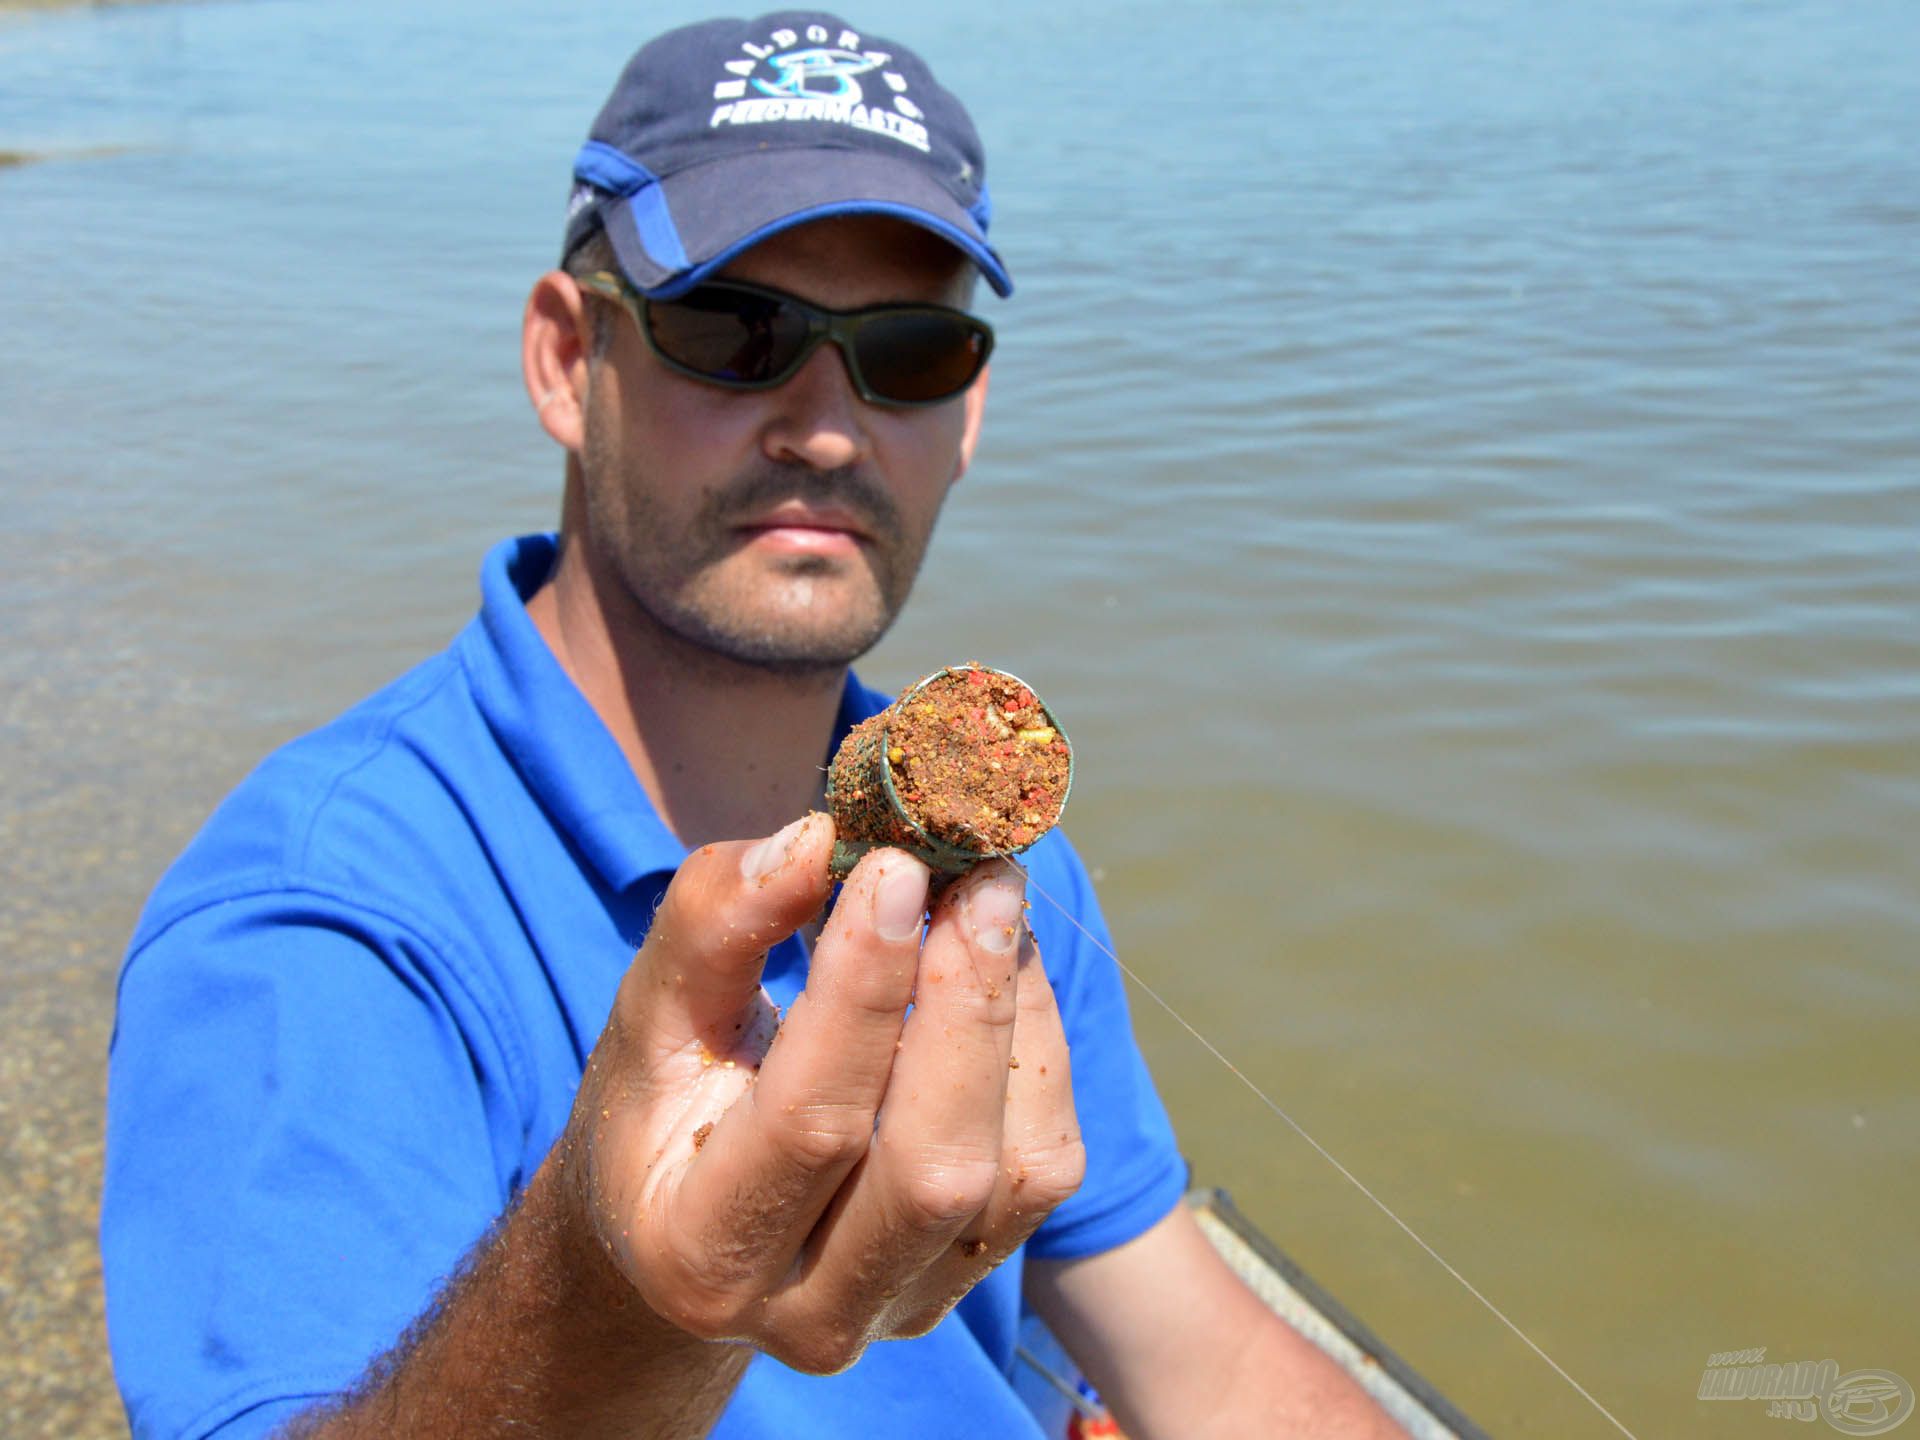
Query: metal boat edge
{"points": [[1066, 1405], [1421, 1410]]}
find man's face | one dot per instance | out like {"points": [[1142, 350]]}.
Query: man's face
{"points": [[782, 528]]}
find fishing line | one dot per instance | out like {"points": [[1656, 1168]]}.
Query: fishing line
{"points": [[1320, 1149]]}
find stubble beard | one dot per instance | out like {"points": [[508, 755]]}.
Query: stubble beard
{"points": [[802, 616]]}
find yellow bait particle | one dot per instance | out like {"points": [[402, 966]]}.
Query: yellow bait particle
{"points": [[1038, 735]]}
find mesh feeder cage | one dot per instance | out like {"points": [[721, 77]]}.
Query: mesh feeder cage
{"points": [[919, 774]]}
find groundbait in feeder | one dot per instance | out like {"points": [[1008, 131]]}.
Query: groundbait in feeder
{"points": [[868, 804]]}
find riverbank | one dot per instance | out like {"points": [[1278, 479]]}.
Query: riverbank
{"points": [[110, 762], [82, 843]]}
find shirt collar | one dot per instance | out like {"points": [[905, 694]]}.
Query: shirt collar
{"points": [[563, 751]]}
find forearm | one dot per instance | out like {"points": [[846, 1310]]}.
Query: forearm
{"points": [[1279, 1383], [1255, 1376], [1178, 1346], [538, 1335]]}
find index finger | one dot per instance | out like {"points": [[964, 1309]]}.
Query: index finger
{"points": [[700, 965]]}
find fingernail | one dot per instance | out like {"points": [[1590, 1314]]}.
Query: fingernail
{"points": [[900, 900], [994, 908], [767, 856]]}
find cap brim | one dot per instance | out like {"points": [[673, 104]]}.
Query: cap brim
{"points": [[682, 228]]}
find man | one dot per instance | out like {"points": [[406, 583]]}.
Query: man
{"points": [[385, 1013]]}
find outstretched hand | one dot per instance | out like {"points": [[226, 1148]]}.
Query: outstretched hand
{"points": [[851, 1176]]}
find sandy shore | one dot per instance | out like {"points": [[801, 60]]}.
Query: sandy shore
{"points": [[108, 763], [77, 857], [55, 1379]]}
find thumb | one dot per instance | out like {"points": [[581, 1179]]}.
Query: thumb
{"points": [[724, 909]]}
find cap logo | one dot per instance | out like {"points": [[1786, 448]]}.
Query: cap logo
{"points": [[799, 69], [815, 81]]}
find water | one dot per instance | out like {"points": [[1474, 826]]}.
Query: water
{"points": [[1457, 469]]}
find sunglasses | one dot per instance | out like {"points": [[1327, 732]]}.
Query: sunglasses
{"points": [[746, 337]]}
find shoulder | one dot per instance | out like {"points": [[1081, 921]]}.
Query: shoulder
{"points": [[347, 874], [346, 807]]}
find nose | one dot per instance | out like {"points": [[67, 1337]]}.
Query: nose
{"points": [[817, 419]]}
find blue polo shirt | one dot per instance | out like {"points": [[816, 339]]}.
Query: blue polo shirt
{"points": [[354, 1013]]}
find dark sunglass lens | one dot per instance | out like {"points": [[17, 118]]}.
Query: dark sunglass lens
{"points": [[728, 335], [918, 356]]}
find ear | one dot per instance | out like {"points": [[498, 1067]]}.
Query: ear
{"points": [[975, 403], [556, 347]]}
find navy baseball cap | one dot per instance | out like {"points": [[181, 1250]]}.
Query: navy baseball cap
{"points": [[723, 133]]}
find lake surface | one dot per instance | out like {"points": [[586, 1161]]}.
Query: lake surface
{"points": [[1455, 467]]}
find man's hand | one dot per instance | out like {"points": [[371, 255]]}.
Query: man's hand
{"points": [[805, 1195], [852, 1178]]}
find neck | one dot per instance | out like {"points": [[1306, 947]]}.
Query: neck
{"points": [[724, 750]]}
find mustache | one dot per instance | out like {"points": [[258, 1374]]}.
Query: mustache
{"points": [[844, 489]]}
